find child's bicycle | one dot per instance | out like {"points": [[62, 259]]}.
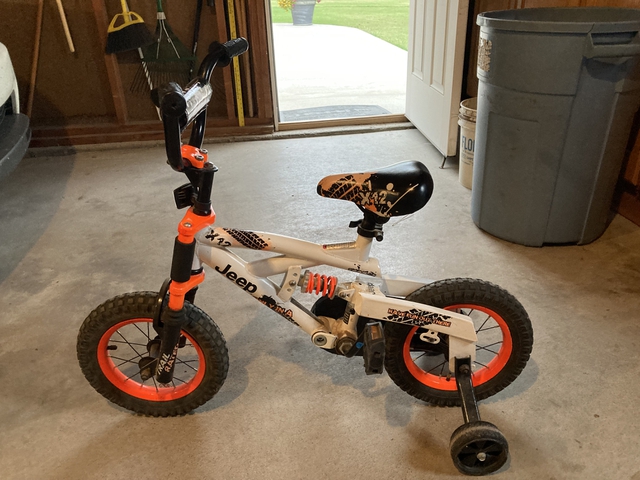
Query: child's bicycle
{"points": [[449, 343]]}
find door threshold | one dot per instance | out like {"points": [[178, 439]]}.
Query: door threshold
{"points": [[342, 122]]}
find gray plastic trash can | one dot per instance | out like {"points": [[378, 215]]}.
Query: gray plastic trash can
{"points": [[558, 92]]}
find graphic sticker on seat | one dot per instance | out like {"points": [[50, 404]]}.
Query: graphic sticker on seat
{"points": [[357, 188]]}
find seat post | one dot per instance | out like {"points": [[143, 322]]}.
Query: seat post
{"points": [[363, 245], [371, 225]]}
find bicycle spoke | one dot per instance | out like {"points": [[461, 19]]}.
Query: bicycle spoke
{"points": [[443, 363], [490, 328], [480, 364], [142, 331], [185, 363], [478, 347], [154, 382], [483, 323], [418, 358], [125, 361], [179, 379], [133, 375], [128, 343]]}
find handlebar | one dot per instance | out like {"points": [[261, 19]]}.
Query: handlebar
{"points": [[179, 108]]}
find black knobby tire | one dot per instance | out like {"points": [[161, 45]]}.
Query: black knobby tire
{"points": [[112, 349], [478, 448], [505, 341]]}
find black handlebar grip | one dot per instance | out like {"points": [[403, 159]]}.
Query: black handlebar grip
{"points": [[228, 50], [170, 99]]}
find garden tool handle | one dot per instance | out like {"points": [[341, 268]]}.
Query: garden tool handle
{"points": [[128, 18], [65, 26]]}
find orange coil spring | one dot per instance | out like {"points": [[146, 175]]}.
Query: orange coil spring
{"points": [[320, 284]]}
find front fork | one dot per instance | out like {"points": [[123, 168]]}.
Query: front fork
{"points": [[170, 320], [182, 287]]}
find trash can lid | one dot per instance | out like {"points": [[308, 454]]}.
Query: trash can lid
{"points": [[563, 20]]}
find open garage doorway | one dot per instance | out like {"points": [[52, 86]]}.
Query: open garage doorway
{"points": [[348, 60]]}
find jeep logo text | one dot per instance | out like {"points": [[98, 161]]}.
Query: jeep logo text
{"points": [[240, 281]]}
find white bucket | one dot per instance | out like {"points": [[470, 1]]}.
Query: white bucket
{"points": [[467, 122]]}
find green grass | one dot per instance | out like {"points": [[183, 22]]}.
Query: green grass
{"points": [[385, 19]]}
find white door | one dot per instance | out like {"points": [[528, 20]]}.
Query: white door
{"points": [[437, 30]]}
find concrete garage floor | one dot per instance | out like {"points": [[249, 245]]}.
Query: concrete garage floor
{"points": [[79, 229]]}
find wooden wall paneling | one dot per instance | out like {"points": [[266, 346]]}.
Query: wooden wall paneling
{"points": [[85, 97], [612, 3], [223, 36], [36, 59], [73, 87], [258, 16], [18, 37], [110, 62], [245, 60], [70, 87], [628, 191], [134, 132], [632, 172], [551, 3]]}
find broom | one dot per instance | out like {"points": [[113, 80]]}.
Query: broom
{"points": [[129, 35], [165, 60]]}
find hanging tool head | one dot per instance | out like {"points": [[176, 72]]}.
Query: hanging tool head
{"points": [[127, 31]]}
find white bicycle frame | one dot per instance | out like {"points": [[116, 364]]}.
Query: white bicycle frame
{"points": [[371, 295]]}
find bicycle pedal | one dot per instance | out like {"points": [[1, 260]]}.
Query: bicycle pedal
{"points": [[373, 351]]}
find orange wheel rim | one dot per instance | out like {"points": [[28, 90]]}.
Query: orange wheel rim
{"points": [[481, 375], [127, 384]]}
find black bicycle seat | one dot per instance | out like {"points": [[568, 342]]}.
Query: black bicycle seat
{"points": [[395, 190]]}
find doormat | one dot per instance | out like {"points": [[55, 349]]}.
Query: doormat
{"points": [[331, 112]]}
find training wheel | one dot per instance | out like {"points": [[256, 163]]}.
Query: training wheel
{"points": [[478, 448]]}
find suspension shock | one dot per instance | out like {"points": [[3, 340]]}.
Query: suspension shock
{"points": [[324, 285]]}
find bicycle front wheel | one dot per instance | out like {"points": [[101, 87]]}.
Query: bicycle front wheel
{"points": [[113, 351]]}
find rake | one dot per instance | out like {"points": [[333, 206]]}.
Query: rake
{"points": [[165, 60]]}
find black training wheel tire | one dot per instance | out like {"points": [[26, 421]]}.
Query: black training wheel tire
{"points": [[505, 341], [478, 448], [112, 349]]}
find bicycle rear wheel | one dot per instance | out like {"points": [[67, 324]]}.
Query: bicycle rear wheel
{"points": [[505, 341]]}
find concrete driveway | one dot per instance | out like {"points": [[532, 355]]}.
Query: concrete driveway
{"points": [[337, 71]]}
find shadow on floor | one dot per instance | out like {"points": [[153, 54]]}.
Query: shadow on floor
{"points": [[29, 199]]}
